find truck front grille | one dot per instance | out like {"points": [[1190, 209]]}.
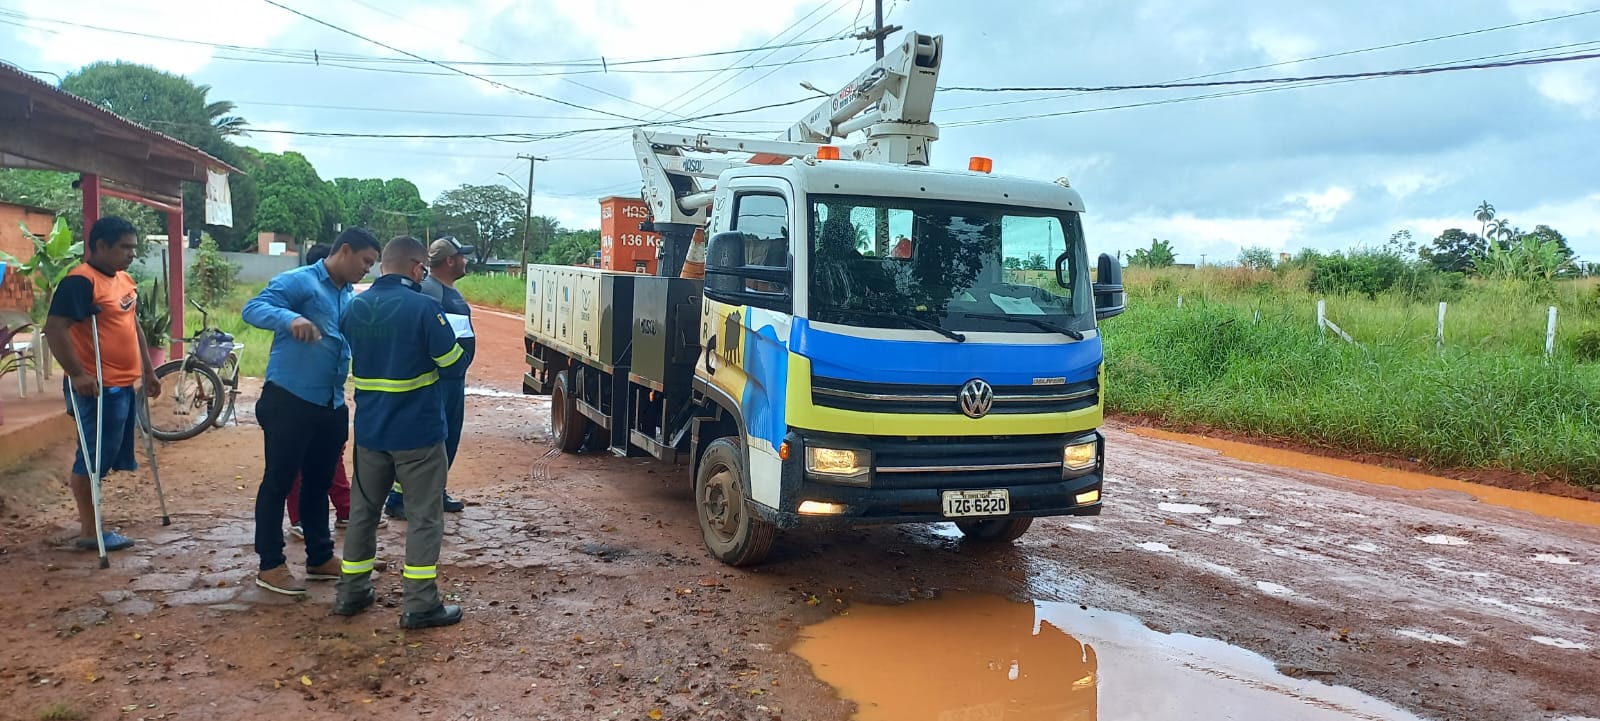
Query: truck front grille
{"points": [[944, 399]]}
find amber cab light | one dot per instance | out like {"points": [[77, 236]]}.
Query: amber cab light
{"points": [[980, 164], [827, 152]]}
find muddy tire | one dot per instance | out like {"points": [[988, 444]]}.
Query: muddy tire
{"points": [[731, 532], [567, 425], [997, 530]]}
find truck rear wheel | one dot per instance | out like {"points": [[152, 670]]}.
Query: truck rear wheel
{"points": [[997, 530], [732, 533], [567, 425]]}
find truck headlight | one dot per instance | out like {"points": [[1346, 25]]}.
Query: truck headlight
{"points": [[1080, 456], [838, 462]]}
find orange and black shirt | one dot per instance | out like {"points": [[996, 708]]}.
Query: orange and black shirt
{"points": [[113, 301]]}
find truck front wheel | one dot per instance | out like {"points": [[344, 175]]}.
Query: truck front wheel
{"points": [[731, 533], [997, 530], [567, 425]]}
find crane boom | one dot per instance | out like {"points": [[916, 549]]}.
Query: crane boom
{"points": [[892, 101]]}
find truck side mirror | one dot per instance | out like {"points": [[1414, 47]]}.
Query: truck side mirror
{"points": [[724, 257], [1109, 298]]}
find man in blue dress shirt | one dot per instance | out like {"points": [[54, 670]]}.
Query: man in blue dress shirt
{"points": [[303, 416]]}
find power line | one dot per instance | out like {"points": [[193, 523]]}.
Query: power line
{"points": [[503, 137], [495, 83], [1286, 80], [411, 111], [1233, 93], [600, 63], [678, 101], [344, 65], [1343, 53]]}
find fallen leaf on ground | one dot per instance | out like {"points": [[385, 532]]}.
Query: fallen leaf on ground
{"points": [[655, 714], [305, 680]]}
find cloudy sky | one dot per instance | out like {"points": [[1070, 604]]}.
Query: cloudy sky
{"points": [[1332, 166]]}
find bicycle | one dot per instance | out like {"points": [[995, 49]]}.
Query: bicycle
{"points": [[203, 385]]}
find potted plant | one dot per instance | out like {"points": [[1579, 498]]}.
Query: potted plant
{"points": [[154, 320]]}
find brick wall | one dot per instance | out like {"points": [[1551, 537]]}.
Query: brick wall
{"points": [[16, 291]]}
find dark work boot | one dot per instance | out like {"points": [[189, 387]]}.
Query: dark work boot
{"points": [[344, 607], [452, 505], [442, 615]]}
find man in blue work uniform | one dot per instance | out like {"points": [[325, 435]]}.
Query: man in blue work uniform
{"points": [[304, 421], [447, 259], [399, 344]]}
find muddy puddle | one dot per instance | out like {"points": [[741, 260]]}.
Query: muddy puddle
{"points": [[974, 657], [1566, 509]]}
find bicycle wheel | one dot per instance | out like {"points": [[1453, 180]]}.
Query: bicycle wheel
{"points": [[229, 375], [191, 398]]}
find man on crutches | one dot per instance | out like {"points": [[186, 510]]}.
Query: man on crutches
{"points": [[93, 332]]}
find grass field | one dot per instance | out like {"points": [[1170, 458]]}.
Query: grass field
{"points": [[1490, 400], [505, 292]]}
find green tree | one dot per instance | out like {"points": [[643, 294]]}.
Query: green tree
{"points": [[1158, 255], [294, 199], [177, 107], [1484, 214], [487, 217], [1013, 263], [1546, 234], [1036, 262], [210, 279], [220, 112], [1455, 251], [571, 246], [1258, 258], [389, 207]]}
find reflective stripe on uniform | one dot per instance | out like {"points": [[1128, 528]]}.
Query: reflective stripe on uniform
{"points": [[421, 573], [354, 567], [451, 356], [397, 489], [390, 385]]}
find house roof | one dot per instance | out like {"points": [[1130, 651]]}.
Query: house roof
{"points": [[45, 128]]}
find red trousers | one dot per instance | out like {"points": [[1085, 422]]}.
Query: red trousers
{"points": [[339, 493]]}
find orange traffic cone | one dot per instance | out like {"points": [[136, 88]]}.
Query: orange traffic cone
{"points": [[694, 263]]}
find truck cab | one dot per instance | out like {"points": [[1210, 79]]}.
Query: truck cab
{"points": [[875, 343]]}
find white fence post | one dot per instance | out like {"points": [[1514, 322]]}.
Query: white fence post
{"points": [[1550, 334], [1440, 336], [1322, 320], [1180, 301]]}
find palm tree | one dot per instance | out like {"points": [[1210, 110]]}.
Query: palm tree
{"points": [[220, 113], [1497, 228], [1484, 215]]}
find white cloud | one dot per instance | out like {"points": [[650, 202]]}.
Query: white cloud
{"points": [[1281, 46], [72, 47], [1323, 206], [1572, 86], [1404, 184]]}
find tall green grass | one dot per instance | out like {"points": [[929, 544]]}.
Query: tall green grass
{"points": [[498, 290], [1490, 400]]}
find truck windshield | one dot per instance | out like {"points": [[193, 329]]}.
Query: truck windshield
{"points": [[965, 266]]}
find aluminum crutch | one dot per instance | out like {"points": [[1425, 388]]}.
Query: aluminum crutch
{"points": [[92, 461], [150, 453]]}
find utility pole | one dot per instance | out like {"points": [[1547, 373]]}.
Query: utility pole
{"points": [[878, 31], [527, 215]]}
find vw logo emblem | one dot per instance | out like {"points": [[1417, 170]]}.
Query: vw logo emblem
{"points": [[976, 397]]}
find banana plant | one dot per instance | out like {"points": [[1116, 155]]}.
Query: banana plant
{"points": [[53, 257]]}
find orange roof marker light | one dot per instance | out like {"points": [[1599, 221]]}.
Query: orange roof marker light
{"points": [[980, 164], [827, 152]]}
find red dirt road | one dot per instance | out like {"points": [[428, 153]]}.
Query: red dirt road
{"points": [[589, 596]]}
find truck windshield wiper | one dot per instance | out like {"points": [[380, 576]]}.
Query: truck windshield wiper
{"points": [[908, 320], [1035, 322]]}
